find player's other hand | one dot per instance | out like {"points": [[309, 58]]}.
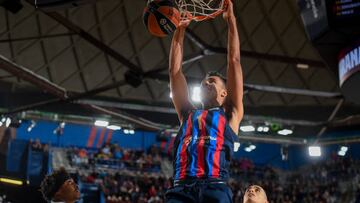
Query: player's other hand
{"points": [[184, 24], [228, 10], [185, 20]]}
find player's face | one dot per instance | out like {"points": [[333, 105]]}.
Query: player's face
{"points": [[255, 194], [69, 191], [212, 87]]}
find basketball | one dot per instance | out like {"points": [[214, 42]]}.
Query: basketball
{"points": [[161, 17]]}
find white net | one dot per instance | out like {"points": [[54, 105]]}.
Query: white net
{"points": [[199, 9]]}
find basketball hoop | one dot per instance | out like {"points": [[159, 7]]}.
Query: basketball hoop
{"points": [[200, 10]]}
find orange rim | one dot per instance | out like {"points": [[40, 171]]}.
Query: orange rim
{"points": [[207, 17]]}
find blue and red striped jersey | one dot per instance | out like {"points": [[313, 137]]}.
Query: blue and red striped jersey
{"points": [[203, 146]]}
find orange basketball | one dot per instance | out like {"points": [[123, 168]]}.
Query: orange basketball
{"points": [[161, 17]]}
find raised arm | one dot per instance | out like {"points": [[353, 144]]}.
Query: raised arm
{"points": [[234, 71], [178, 84]]}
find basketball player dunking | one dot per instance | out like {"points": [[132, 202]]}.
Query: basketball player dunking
{"points": [[204, 144]]}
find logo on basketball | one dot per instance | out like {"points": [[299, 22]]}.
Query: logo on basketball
{"points": [[161, 17], [168, 28], [163, 21]]}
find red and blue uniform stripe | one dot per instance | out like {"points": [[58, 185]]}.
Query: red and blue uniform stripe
{"points": [[219, 146], [213, 139], [199, 146], [193, 146], [180, 159]]}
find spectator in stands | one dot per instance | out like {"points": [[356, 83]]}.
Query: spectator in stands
{"points": [[60, 187], [105, 152], [82, 153], [45, 147], [91, 178], [106, 149], [36, 145], [83, 157], [246, 164], [117, 152]]}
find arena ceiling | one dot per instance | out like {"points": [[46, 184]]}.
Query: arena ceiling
{"points": [[80, 55]]}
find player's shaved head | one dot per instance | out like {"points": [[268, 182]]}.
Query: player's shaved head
{"points": [[255, 194]]}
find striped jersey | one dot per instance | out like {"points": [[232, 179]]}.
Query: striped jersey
{"points": [[203, 146]]}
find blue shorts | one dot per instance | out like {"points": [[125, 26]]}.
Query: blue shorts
{"points": [[198, 192]]}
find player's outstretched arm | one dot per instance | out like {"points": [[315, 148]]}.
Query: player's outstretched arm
{"points": [[178, 84], [234, 71]]}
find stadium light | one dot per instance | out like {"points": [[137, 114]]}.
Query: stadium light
{"points": [[59, 130], [341, 153], [344, 148], [31, 126], [260, 129], [113, 127], [247, 128], [101, 123], [196, 94], [7, 122], [315, 151], [11, 181], [302, 66], [129, 131], [264, 129], [252, 147], [285, 132], [247, 149]]}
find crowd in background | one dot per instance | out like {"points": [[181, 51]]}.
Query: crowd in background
{"points": [[130, 187], [332, 181], [115, 157], [327, 182]]}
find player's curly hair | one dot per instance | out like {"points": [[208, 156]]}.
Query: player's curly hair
{"points": [[52, 183], [216, 73]]}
